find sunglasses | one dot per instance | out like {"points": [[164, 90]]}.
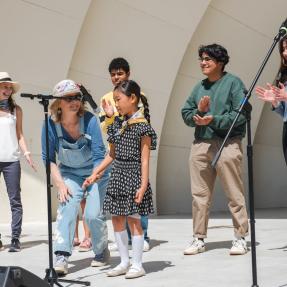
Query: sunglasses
{"points": [[72, 98]]}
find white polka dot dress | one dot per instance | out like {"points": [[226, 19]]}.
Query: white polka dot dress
{"points": [[126, 173]]}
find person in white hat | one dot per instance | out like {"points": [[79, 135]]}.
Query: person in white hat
{"points": [[11, 142], [75, 140]]}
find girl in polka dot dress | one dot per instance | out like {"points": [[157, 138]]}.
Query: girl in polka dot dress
{"points": [[129, 193]]}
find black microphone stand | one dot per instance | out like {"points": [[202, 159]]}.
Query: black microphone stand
{"points": [[51, 275], [246, 106]]}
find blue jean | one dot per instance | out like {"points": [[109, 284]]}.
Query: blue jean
{"points": [[12, 175], [144, 223], [68, 211]]}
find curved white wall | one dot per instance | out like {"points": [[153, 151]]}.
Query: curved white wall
{"points": [[247, 36], [48, 40], [149, 35], [38, 41]]}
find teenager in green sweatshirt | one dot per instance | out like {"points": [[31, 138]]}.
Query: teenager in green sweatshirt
{"points": [[211, 108]]}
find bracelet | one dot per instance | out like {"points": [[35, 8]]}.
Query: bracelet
{"points": [[26, 153]]}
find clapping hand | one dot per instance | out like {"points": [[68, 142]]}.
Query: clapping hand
{"points": [[108, 108], [204, 104], [203, 121], [267, 95], [280, 93]]}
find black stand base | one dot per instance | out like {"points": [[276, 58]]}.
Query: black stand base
{"points": [[52, 278]]}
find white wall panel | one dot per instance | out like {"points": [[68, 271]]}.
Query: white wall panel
{"points": [[151, 35], [247, 35], [38, 41]]}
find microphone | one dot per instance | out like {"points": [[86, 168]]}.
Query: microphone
{"points": [[88, 97], [283, 28]]}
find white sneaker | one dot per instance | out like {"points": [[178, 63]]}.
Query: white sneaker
{"points": [[117, 271], [113, 246], [146, 246], [1, 245], [196, 246], [61, 264], [135, 272], [101, 259], [239, 247]]}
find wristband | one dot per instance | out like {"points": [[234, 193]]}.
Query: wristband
{"points": [[26, 153]]}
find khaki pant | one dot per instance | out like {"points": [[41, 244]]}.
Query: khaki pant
{"points": [[229, 169]]}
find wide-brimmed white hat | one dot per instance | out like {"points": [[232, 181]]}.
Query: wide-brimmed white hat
{"points": [[5, 78]]}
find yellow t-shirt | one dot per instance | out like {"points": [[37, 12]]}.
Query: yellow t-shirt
{"points": [[105, 121]]}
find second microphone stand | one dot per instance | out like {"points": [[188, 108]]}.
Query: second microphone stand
{"points": [[245, 105]]}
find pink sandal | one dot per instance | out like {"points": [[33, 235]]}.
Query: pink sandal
{"points": [[86, 245], [76, 242]]}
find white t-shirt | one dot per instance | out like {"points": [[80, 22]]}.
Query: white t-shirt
{"points": [[9, 147]]}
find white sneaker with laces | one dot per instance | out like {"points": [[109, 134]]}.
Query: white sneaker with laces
{"points": [[113, 246], [146, 246], [61, 264], [196, 246], [239, 247], [101, 259]]}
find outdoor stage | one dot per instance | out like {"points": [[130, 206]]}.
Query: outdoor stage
{"points": [[165, 264]]}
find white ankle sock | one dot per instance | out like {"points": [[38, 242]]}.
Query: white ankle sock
{"points": [[137, 245], [122, 243]]}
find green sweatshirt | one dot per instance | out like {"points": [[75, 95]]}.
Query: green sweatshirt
{"points": [[226, 95]]}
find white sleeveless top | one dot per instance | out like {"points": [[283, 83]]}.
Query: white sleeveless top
{"points": [[9, 148]]}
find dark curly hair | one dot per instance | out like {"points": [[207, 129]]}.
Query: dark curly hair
{"points": [[216, 52], [119, 63], [129, 88]]}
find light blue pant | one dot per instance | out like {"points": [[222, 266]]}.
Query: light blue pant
{"points": [[67, 215]]}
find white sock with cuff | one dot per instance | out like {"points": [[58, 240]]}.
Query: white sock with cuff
{"points": [[137, 247], [122, 243]]}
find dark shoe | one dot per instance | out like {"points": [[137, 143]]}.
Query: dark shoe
{"points": [[1, 245], [15, 245]]}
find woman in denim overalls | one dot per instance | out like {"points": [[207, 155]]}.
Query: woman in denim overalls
{"points": [[75, 136]]}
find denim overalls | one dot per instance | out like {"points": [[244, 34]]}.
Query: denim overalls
{"points": [[75, 165]]}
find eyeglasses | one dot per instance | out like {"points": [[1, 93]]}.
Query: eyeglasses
{"points": [[72, 98], [206, 59]]}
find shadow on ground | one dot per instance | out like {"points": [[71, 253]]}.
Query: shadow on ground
{"points": [[284, 248], [28, 244], [154, 243], [223, 245]]}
